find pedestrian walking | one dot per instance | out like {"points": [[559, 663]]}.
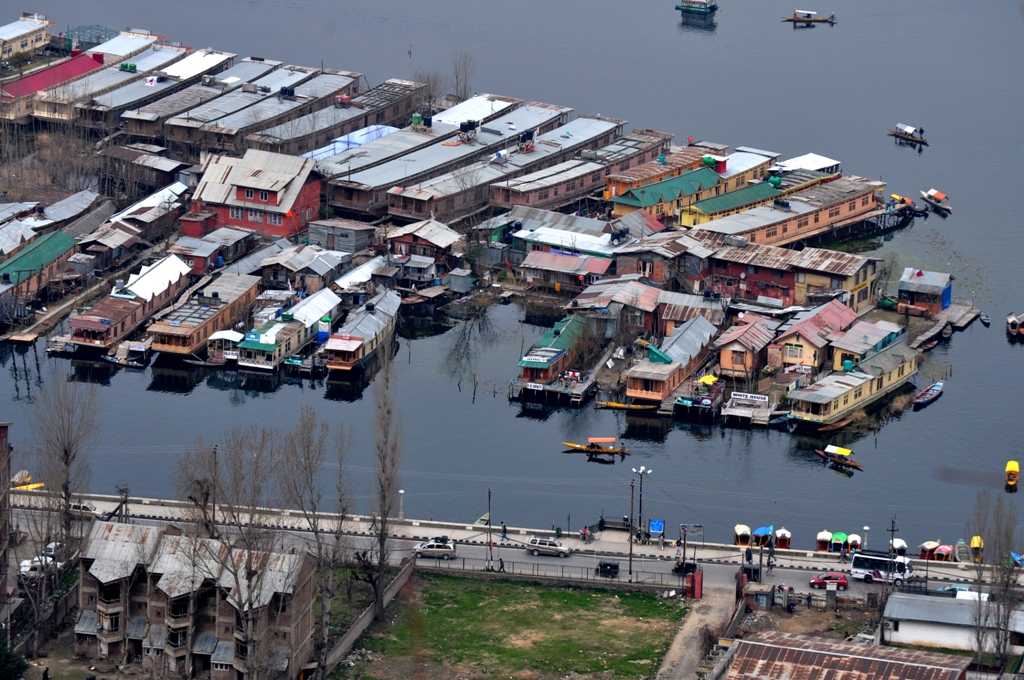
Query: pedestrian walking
{"points": [[750, 555], [504, 532], [661, 541], [501, 565], [810, 598]]}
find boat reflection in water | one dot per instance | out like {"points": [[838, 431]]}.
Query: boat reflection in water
{"points": [[697, 23], [96, 372]]}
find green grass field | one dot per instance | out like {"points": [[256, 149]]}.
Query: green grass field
{"points": [[501, 628]]}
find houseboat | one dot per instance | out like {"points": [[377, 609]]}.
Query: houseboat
{"points": [[187, 329], [267, 345], [129, 305], [549, 359], [365, 330], [697, 6], [837, 396], [839, 542]]}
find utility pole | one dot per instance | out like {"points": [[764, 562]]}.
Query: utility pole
{"points": [[490, 544], [122, 509], [213, 517], [629, 529]]}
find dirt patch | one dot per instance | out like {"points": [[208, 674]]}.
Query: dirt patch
{"points": [[821, 622]]}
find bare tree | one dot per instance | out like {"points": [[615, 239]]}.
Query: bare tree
{"points": [[387, 459], [303, 464], [463, 69], [434, 84], [978, 525], [196, 482], [65, 429]]}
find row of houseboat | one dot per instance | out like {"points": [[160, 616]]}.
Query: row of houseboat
{"points": [[839, 542]]}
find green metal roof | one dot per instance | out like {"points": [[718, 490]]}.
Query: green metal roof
{"points": [[568, 334], [37, 255], [756, 193], [671, 189], [264, 346]]}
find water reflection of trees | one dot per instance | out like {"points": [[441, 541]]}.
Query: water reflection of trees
{"points": [[25, 369], [466, 343]]}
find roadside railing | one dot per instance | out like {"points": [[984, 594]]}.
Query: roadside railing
{"points": [[554, 570]]}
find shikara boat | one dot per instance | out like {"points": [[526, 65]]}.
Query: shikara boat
{"points": [[962, 552], [803, 16], [741, 535], [1012, 473], [838, 425], [927, 550], [977, 549], [838, 542], [823, 540], [594, 446], [626, 407], [929, 394], [839, 456], [898, 546], [937, 200], [944, 553], [909, 134], [985, 320], [762, 535], [854, 541], [783, 538], [1013, 323]]}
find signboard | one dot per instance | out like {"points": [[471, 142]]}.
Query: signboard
{"points": [[657, 526], [231, 355], [136, 347], [692, 530], [743, 396], [534, 386]]}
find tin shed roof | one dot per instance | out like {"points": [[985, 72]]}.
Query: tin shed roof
{"points": [[753, 336], [787, 655], [928, 282], [116, 549]]}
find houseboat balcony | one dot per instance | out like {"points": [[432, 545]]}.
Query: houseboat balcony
{"points": [[258, 360], [343, 353], [647, 395]]}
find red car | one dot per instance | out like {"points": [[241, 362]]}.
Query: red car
{"points": [[822, 580]]}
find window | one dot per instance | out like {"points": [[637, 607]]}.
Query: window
{"points": [[862, 295], [857, 393], [235, 213], [801, 277], [852, 206], [274, 219], [833, 211], [770, 232], [836, 283], [249, 193], [739, 358], [879, 384], [816, 217], [256, 216], [801, 223], [751, 269], [864, 201], [264, 196], [794, 352], [846, 399], [721, 265], [778, 274]]}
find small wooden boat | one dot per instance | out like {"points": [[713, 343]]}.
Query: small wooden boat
{"points": [[1013, 322], [594, 446], [762, 536], [783, 538], [741, 535], [898, 546], [909, 134], [838, 425], [822, 541], [927, 550], [977, 549], [838, 542], [937, 200], [854, 541], [985, 320], [626, 407], [1012, 473], [839, 456], [929, 394], [929, 345], [961, 552], [803, 16], [122, 362], [944, 553], [780, 419]]}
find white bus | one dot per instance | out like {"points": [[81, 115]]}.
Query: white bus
{"points": [[870, 566]]}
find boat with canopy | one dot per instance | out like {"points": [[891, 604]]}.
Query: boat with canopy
{"points": [[839, 456], [823, 540], [763, 535], [909, 133], [741, 535], [783, 538]]}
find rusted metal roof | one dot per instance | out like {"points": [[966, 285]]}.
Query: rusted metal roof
{"points": [[829, 261], [786, 655], [567, 264], [820, 324], [758, 255], [625, 290], [683, 307], [753, 336]]}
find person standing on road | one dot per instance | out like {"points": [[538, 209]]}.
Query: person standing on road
{"points": [[750, 555], [504, 532], [810, 598]]}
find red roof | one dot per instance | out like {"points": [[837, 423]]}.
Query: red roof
{"points": [[48, 77]]}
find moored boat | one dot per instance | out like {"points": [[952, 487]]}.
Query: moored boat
{"points": [[594, 446], [944, 553], [839, 456], [1013, 322], [927, 550], [937, 200], [929, 394], [854, 541], [1012, 473], [838, 543], [898, 546], [783, 538], [762, 535], [977, 549], [962, 552], [741, 535], [697, 6], [838, 425], [805, 16], [909, 134], [985, 320], [362, 334], [625, 407], [822, 541]]}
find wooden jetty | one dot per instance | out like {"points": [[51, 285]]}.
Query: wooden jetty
{"points": [[957, 316]]}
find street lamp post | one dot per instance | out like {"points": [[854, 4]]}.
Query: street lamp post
{"points": [[864, 545], [401, 504], [641, 472], [629, 529]]}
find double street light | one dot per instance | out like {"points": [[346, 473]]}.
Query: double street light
{"points": [[641, 472]]}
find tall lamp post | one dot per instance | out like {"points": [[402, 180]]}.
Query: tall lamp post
{"points": [[641, 472], [864, 545]]}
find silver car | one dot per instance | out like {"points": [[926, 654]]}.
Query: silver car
{"points": [[436, 547], [547, 546]]}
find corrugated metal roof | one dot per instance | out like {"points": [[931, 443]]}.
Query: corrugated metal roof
{"points": [[72, 206], [562, 337], [123, 45], [945, 610], [680, 307], [929, 282], [429, 230], [864, 335], [86, 624], [153, 206], [197, 63], [570, 241], [116, 549], [678, 157], [360, 274], [741, 161], [809, 161], [816, 324], [758, 255], [829, 261], [754, 336], [137, 627], [85, 88], [237, 100], [626, 290], [279, 571], [49, 77], [888, 359], [154, 279], [687, 340], [733, 200], [156, 637], [17, 29], [261, 170], [13, 234], [11, 210], [547, 177], [323, 303], [224, 653], [36, 255], [368, 325], [205, 643], [567, 264], [790, 656], [252, 263], [314, 258]]}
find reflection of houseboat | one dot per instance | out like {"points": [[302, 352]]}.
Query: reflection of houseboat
{"points": [[783, 538], [741, 535], [188, 328], [365, 330], [128, 306], [823, 540]]}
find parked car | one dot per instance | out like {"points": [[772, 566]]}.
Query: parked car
{"points": [[955, 587], [547, 546], [822, 580], [607, 568], [53, 549], [85, 510], [36, 565], [436, 547]]}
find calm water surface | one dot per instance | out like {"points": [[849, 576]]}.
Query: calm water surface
{"points": [[746, 80]]}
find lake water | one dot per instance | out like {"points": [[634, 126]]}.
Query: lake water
{"points": [[747, 80]]}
